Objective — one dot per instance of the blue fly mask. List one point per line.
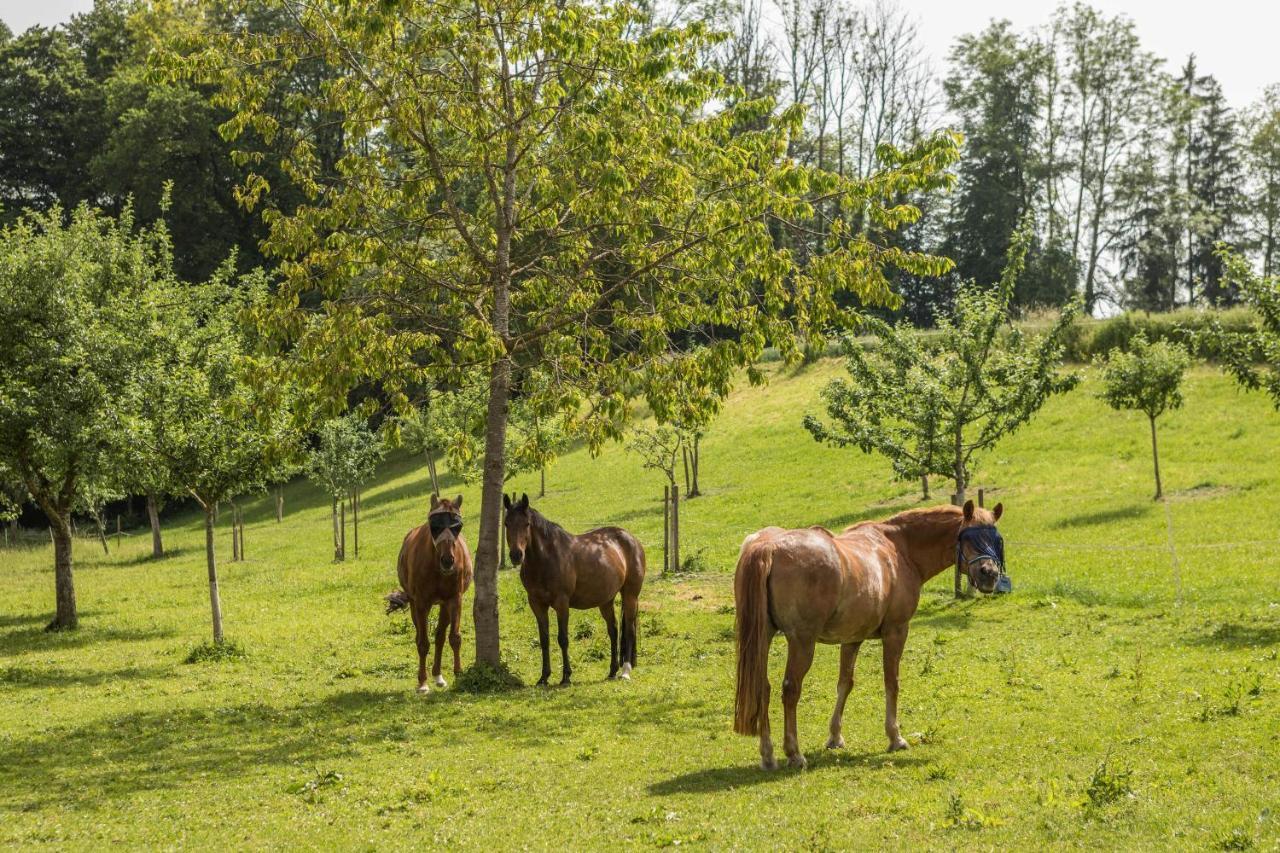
(442, 521)
(985, 543)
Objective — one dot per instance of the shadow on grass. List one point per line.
(30, 677)
(715, 779)
(37, 639)
(1237, 635)
(147, 557)
(1106, 516)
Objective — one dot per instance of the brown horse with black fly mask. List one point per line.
(560, 570)
(817, 587)
(435, 567)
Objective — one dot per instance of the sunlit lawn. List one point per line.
(1088, 708)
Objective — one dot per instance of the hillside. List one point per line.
(1016, 708)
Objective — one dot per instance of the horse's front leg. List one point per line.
(799, 659)
(611, 623)
(544, 640)
(562, 636)
(419, 614)
(895, 639)
(848, 658)
(442, 627)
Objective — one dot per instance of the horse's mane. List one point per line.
(547, 528)
(927, 515)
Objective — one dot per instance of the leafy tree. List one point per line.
(1252, 357)
(659, 449)
(553, 195)
(73, 295)
(1262, 158)
(345, 458)
(1146, 377)
(221, 434)
(929, 405)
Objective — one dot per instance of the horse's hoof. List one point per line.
(611, 676)
(440, 682)
(797, 761)
(424, 689)
(836, 742)
(542, 682)
(897, 745)
(564, 682)
(768, 764)
(626, 673)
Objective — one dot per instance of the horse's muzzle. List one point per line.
(516, 557)
(985, 577)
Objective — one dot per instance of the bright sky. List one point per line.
(1234, 39)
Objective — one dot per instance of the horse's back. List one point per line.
(605, 561)
(822, 586)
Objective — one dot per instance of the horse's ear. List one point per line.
(457, 502)
(997, 511)
(435, 501)
(506, 501)
(524, 501)
(968, 510)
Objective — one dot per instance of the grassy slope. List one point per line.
(317, 740)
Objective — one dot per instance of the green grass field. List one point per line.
(1089, 708)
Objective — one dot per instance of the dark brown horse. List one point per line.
(560, 571)
(816, 587)
(434, 567)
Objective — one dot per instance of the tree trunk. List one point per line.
(240, 530)
(355, 521)
(65, 616)
(957, 464)
(485, 607)
(337, 544)
(235, 533)
(279, 504)
(542, 483)
(1155, 459)
(675, 528)
(102, 531)
(153, 514)
(215, 603)
(666, 529)
(688, 482)
(431, 469)
(342, 530)
(697, 457)
(924, 486)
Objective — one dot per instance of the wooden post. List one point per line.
(342, 529)
(980, 496)
(119, 530)
(240, 525)
(666, 529)
(279, 504)
(955, 501)
(675, 528)
(502, 542)
(337, 552)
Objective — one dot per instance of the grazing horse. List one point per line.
(817, 587)
(560, 570)
(434, 567)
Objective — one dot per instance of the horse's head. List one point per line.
(517, 520)
(979, 548)
(445, 521)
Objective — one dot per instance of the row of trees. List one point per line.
(1134, 167)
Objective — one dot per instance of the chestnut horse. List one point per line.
(434, 567)
(560, 570)
(817, 587)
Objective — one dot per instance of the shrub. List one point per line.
(485, 678)
(211, 651)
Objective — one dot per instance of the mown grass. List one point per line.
(1090, 708)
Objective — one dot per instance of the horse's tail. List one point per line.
(396, 600)
(751, 600)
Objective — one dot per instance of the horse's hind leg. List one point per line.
(848, 657)
(544, 641)
(419, 614)
(455, 634)
(630, 614)
(799, 659)
(611, 623)
(442, 627)
(895, 639)
(562, 636)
